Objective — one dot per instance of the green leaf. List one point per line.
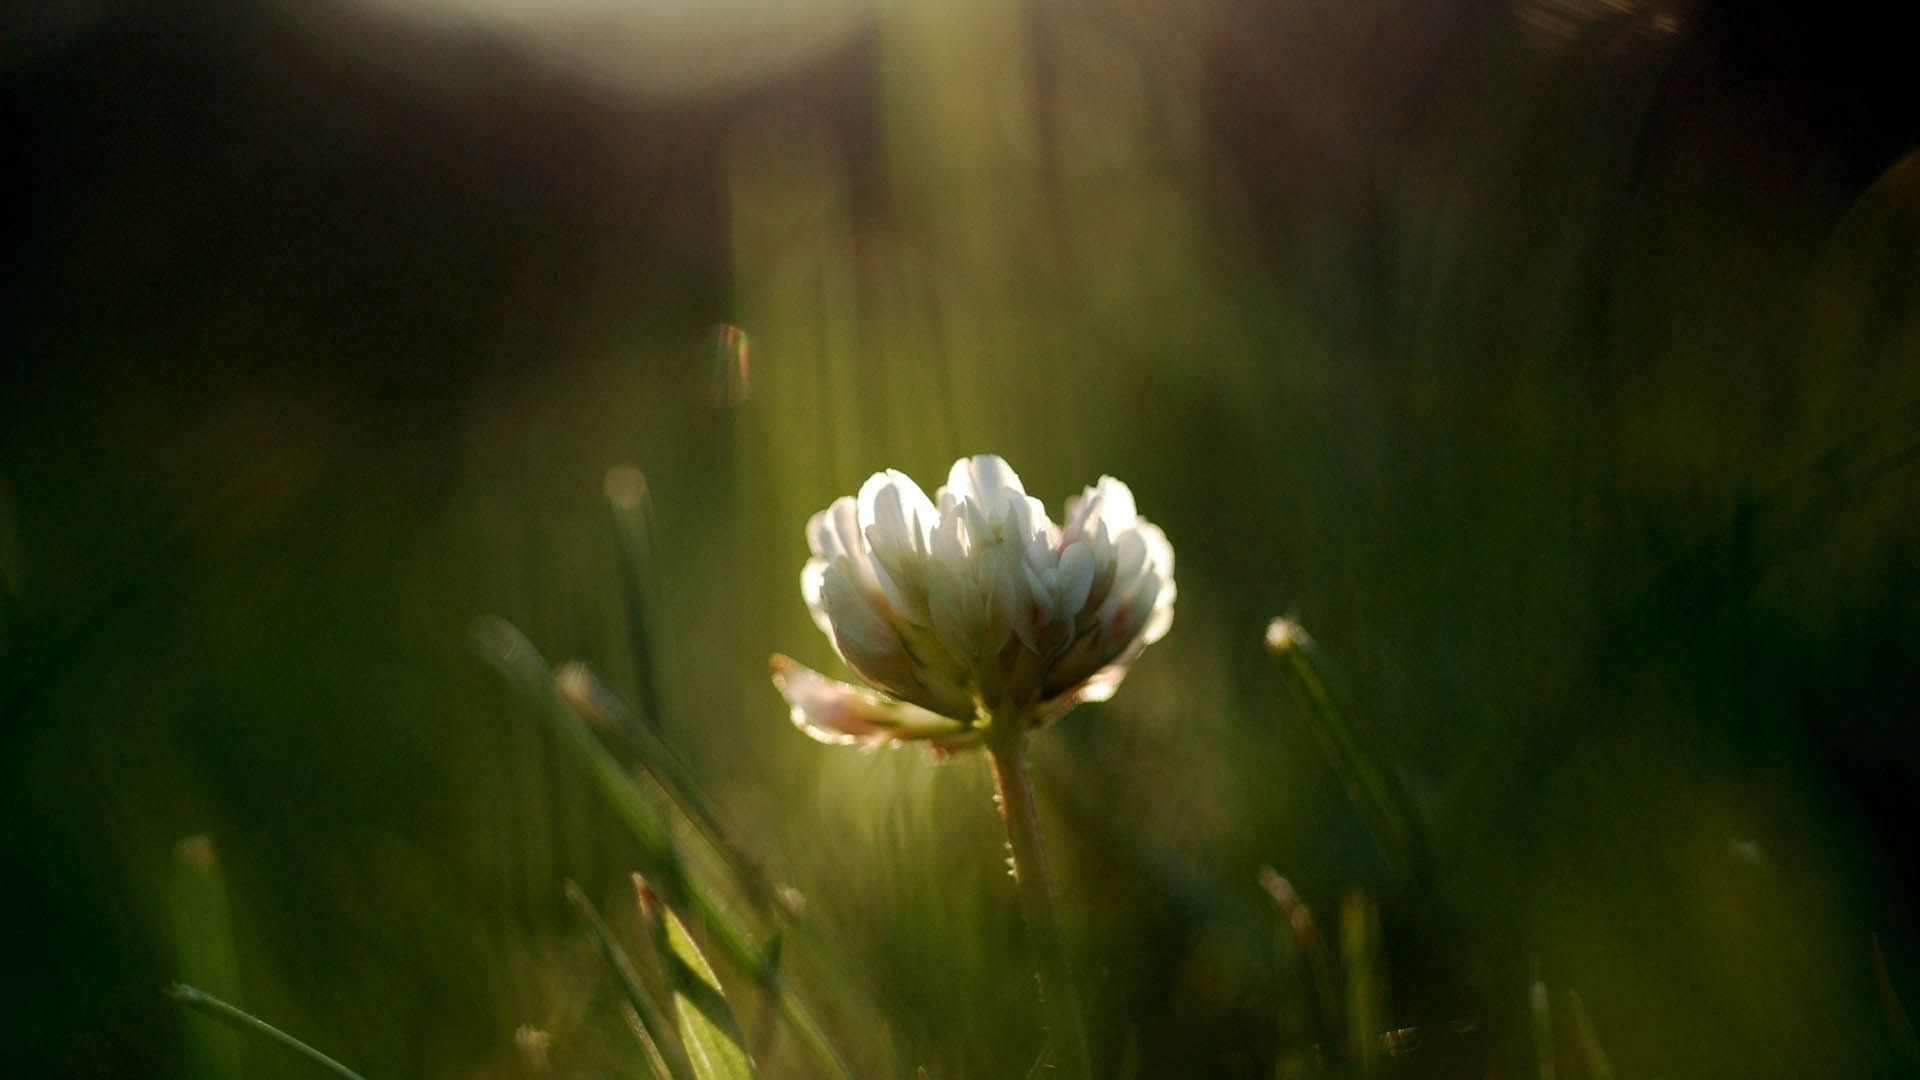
(706, 1021)
(202, 931)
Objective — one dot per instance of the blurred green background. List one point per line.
(1556, 363)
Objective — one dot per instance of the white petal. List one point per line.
(843, 523)
(947, 604)
(1160, 559)
(894, 502)
(845, 715)
(1075, 581)
(902, 593)
(1107, 502)
(948, 544)
(984, 478)
(1031, 611)
(1116, 505)
(820, 536)
(1159, 552)
(1133, 612)
(1129, 558)
(866, 642)
(896, 516)
(1161, 620)
(1043, 536)
(812, 579)
(1128, 610)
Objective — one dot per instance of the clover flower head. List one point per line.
(972, 608)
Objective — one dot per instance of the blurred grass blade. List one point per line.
(1899, 1025)
(631, 506)
(660, 1042)
(596, 702)
(1540, 1009)
(1368, 785)
(242, 1021)
(707, 1024)
(516, 658)
(661, 763)
(202, 925)
(1366, 983)
(1592, 1053)
(1319, 1018)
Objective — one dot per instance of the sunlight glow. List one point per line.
(654, 48)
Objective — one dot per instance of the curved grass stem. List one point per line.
(241, 1020)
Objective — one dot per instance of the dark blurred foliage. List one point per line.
(1556, 363)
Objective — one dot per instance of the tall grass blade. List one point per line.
(596, 702)
(707, 1024)
(1540, 1010)
(630, 504)
(659, 1039)
(202, 926)
(515, 657)
(241, 1020)
(1366, 982)
(1592, 1054)
(1899, 1024)
(1318, 1017)
(1373, 792)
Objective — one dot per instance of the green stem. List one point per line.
(247, 1022)
(1057, 997)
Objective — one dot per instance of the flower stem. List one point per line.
(1057, 997)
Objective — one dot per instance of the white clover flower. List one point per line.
(973, 609)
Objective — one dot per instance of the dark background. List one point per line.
(1556, 364)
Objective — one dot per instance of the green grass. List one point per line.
(1555, 381)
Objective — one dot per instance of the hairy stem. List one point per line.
(1057, 996)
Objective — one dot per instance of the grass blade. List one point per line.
(1592, 1054)
(597, 703)
(660, 1042)
(510, 652)
(515, 657)
(1899, 1025)
(1369, 786)
(631, 506)
(1540, 1009)
(202, 927)
(243, 1021)
(1318, 1018)
(706, 1020)
(1366, 983)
